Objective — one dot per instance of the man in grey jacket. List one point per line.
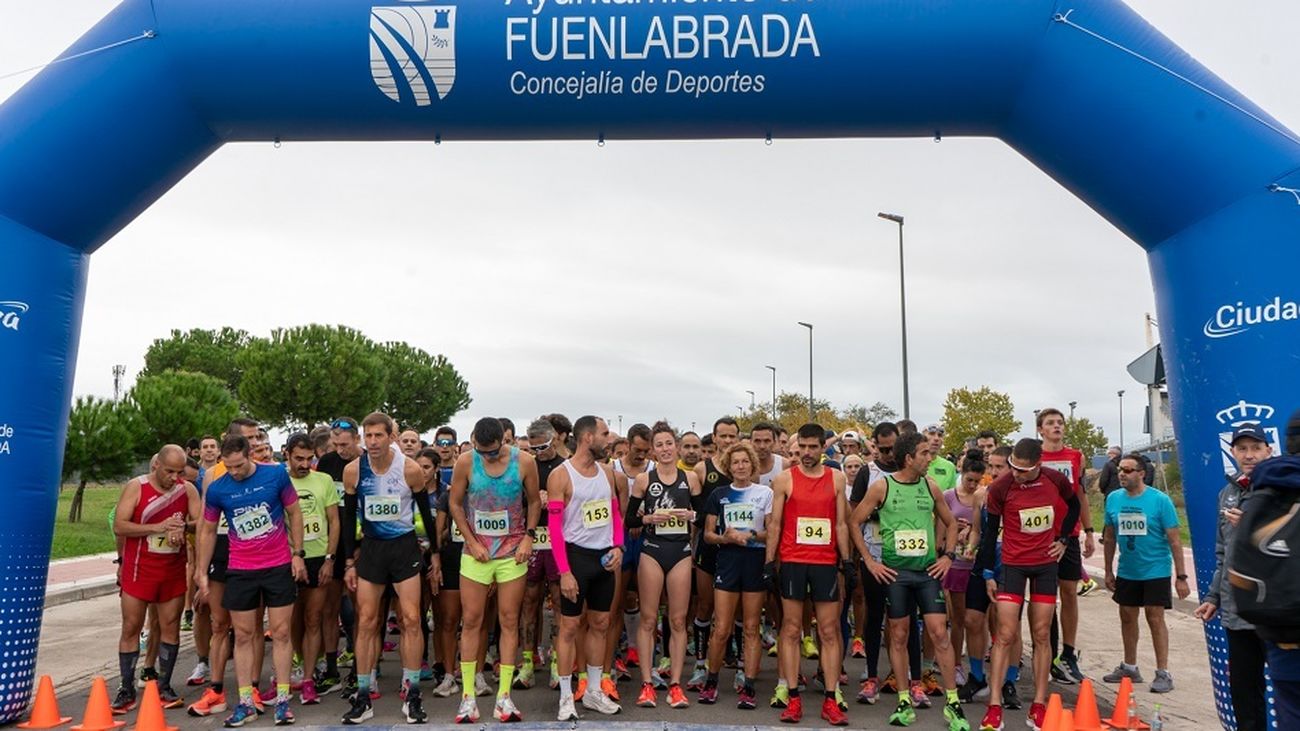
(1246, 651)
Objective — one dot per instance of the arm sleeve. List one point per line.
(348, 534)
(633, 518)
(617, 520)
(988, 542)
(555, 523)
(426, 515)
(1072, 508)
(700, 504)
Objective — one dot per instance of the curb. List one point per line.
(76, 591)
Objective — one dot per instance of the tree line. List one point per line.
(195, 382)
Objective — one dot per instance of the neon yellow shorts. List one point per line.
(498, 570)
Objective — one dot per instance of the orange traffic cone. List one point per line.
(99, 714)
(1119, 719)
(150, 717)
(1086, 717)
(45, 711)
(1052, 719)
(1067, 721)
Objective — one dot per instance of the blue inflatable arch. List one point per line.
(1179, 161)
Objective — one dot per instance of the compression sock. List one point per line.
(977, 668)
(410, 678)
(167, 653)
(507, 673)
(332, 664)
(126, 665)
(467, 678)
(281, 693)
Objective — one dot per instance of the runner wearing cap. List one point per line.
(1037, 509)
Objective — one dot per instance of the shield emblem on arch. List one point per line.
(413, 52)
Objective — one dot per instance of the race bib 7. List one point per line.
(813, 531)
(158, 543)
(596, 513)
(1037, 520)
(382, 508)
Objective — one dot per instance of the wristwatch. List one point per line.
(1089, 530)
(1181, 577)
(532, 533)
(329, 557)
(300, 553)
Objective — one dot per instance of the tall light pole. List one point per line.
(1121, 420)
(775, 415)
(902, 298)
(119, 371)
(812, 414)
(751, 399)
(1072, 405)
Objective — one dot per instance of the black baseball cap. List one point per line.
(1249, 430)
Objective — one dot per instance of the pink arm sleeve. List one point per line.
(555, 523)
(617, 519)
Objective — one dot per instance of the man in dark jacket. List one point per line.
(1246, 651)
(1108, 480)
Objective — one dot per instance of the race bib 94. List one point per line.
(813, 531)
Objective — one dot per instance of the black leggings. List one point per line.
(872, 632)
(1246, 658)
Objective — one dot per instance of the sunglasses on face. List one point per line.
(540, 447)
(885, 450)
(488, 453)
(342, 424)
(1018, 468)
(446, 442)
(1129, 470)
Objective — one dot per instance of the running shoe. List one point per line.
(609, 688)
(772, 650)
(199, 675)
(582, 688)
(171, 700)
(904, 714)
(1163, 683)
(209, 703)
(633, 658)
(1011, 697)
(257, 704)
(809, 648)
(124, 701)
(426, 672)
(969, 692)
(146, 675)
(1087, 586)
(858, 648)
(187, 621)
(413, 706)
(346, 659)
(326, 684)
(698, 677)
(242, 715)
(1061, 673)
(739, 681)
(360, 712)
(1120, 672)
(506, 712)
(930, 681)
(890, 685)
(746, 701)
(349, 687)
(1037, 714)
(620, 670)
(525, 678)
(832, 714)
(1071, 666)
(992, 719)
(567, 711)
(648, 698)
(308, 695)
(952, 713)
(267, 696)
(390, 646)
(554, 672)
(839, 700)
(600, 703)
(780, 697)
(961, 675)
(296, 676)
(658, 680)
(283, 716)
(481, 687)
(793, 712)
(870, 692)
(677, 696)
(468, 711)
(917, 692)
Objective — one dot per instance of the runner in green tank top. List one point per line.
(912, 567)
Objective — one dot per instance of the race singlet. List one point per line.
(158, 543)
(911, 543)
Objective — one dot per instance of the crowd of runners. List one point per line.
(569, 556)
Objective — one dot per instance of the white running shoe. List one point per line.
(468, 711)
(481, 687)
(599, 702)
(200, 674)
(447, 687)
(506, 712)
(567, 711)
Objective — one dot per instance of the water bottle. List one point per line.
(608, 559)
(1157, 721)
(1133, 721)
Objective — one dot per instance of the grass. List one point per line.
(93, 534)
(1097, 504)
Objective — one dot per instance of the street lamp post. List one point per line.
(1121, 420)
(812, 414)
(902, 297)
(1072, 405)
(775, 415)
(751, 400)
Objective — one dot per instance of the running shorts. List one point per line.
(818, 582)
(1143, 593)
(666, 553)
(1071, 564)
(977, 592)
(313, 572)
(541, 567)
(220, 559)
(912, 590)
(956, 580)
(595, 584)
(1041, 581)
(249, 590)
(390, 561)
(706, 557)
(451, 569)
(632, 552)
(739, 569)
(495, 571)
(153, 587)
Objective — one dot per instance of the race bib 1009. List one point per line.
(492, 523)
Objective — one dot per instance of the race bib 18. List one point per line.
(313, 528)
(813, 531)
(595, 513)
(382, 508)
(1037, 520)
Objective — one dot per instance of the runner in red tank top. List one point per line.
(809, 507)
(153, 515)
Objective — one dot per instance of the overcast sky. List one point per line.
(757, 237)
